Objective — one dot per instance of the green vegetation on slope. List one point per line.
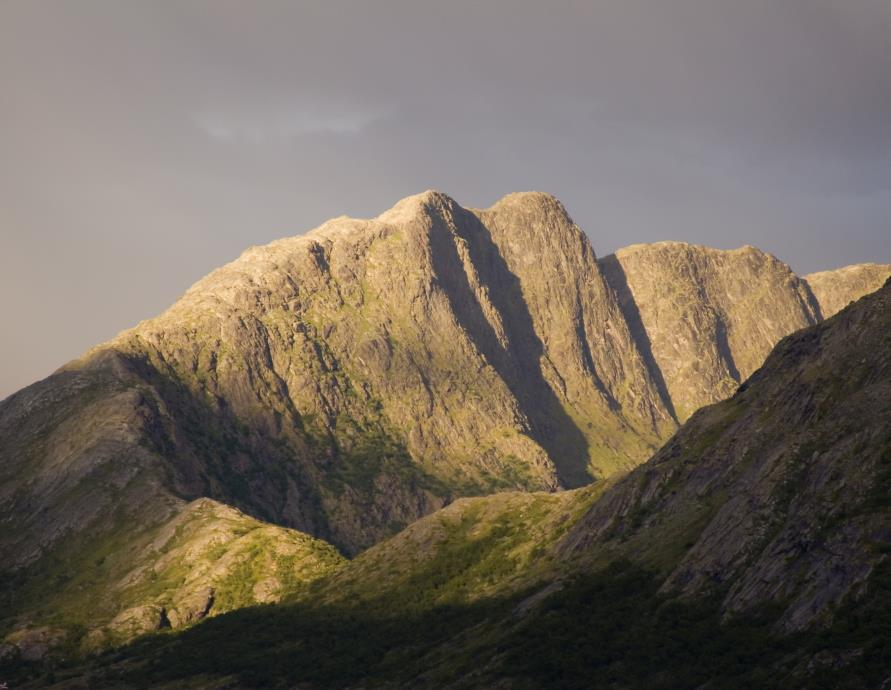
(607, 629)
(207, 560)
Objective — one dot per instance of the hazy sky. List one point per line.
(144, 143)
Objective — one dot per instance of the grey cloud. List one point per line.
(144, 143)
(277, 124)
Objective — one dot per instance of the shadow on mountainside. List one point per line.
(608, 629)
(281, 469)
(724, 350)
(519, 364)
(616, 279)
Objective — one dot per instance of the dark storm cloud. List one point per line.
(144, 143)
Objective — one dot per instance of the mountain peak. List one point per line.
(416, 204)
(689, 247)
(530, 197)
(530, 203)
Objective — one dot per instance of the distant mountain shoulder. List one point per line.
(836, 289)
(707, 317)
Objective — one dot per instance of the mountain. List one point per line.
(750, 551)
(836, 289)
(705, 319)
(347, 382)
(344, 383)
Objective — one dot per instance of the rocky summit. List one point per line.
(335, 387)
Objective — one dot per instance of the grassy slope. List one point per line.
(609, 628)
(135, 580)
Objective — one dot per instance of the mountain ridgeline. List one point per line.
(349, 381)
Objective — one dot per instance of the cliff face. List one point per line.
(706, 318)
(836, 289)
(483, 341)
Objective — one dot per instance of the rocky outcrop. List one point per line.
(836, 289)
(706, 318)
(206, 560)
(34, 644)
(131, 623)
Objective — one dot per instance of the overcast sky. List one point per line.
(144, 143)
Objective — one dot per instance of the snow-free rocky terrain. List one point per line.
(321, 393)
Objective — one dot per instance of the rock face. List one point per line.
(346, 382)
(778, 495)
(434, 326)
(706, 318)
(836, 289)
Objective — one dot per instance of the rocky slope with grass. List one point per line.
(347, 382)
(206, 559)
(778, 495)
